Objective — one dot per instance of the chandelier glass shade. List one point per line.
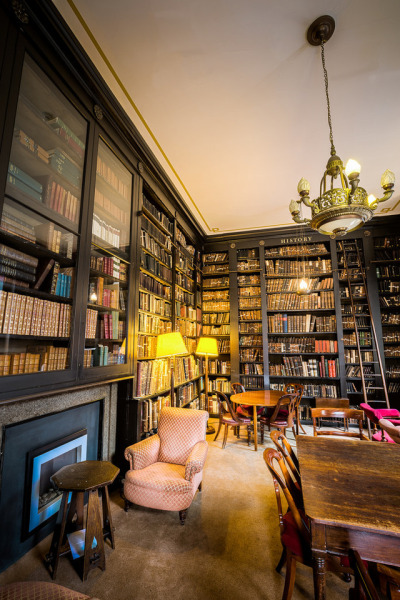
(342, 205)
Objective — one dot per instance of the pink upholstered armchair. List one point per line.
(166, 469)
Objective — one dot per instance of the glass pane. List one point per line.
(108, 284)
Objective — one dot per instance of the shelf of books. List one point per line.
(302, 332)
(107, 302)
(251, 359)
(39, 229)
(387, 267)
(216, 321)
(185, 291)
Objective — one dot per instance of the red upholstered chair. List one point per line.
(166, 469)
(374, 414)
(294, 527)
(228, 417)
(391, 432)
(283, 416)
(39, 590)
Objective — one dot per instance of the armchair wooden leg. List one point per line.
(225, 437)
(219, 429)
(281, 562)
(200, 486)
(182, 516)
(127, 505)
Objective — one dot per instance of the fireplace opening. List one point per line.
(44, 499)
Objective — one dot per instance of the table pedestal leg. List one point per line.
(255, 427)
(319, 577)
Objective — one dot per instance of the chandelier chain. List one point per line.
(333, 151)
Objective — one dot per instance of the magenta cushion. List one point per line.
(384, 413)
(377, 437)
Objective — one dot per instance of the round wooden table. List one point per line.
(257, 398)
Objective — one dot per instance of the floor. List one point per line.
(228, 548)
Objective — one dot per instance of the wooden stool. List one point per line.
(88, 476)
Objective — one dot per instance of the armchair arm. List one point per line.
(143, 453)
(196, 460)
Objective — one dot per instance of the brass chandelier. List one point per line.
(337, 210)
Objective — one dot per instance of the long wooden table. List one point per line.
(257, 398)
(351, 493)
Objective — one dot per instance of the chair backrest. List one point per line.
(369, 412)
(271, 457)
(237, 388)
(290, 402)
(284, 447)
(332, 403)
(338, 413)
(391, 429)
(179, 430)
(225, 406)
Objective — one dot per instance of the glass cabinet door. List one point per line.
(105, 335)
(39, 228)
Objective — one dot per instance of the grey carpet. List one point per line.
(227, 550)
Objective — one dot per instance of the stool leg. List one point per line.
(93, 557)
(107, 521)
(58, 537)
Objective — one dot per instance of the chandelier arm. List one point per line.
(306, 200)
(386, 196)
(298, 219)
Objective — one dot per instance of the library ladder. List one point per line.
(351, 259)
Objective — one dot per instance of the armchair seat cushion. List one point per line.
(160, 475)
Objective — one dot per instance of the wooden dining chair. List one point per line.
(283, 415)
(333, 403)
(228, 417)
(284, 447)
(338, 413)
(364, 588)
(294, 527)
(389, 581)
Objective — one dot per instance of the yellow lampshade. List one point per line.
(207, 346)
(170, 344)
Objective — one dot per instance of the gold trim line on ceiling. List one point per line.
(131, 102)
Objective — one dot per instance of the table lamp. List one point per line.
(170, 345)
(207, 346)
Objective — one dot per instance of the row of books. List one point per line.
(64, 165)
(35, 359)
(218, 282)
(58, 198)
(393, 387)
(248, 291)
(364, 338)
(215, 269)
(215, 318)
(110, 327)
(386, 242)
(215, 295)
(184, 281)
(163, 239)
(151, 245)
(250, 327)
(298, 250)
(187, 393)
(30, 144)
(250, 340)
(392, 350)
(219, 384)
(187, 312)
(109, 265)
(191, 344)
(102, 355)
(187, 328)
(355, 371)
(26, 315)
(297, 344)
(11, 222)
(351, 356)
(390, 319)
(392, 254)
(292, 285)
(158, 214)
(221, 305)
(359, 309)
(214, 330)
(152, 265)
(152, 285)
(184, 297)
(181, 238)
(391, 336)
(249, 280)
(385, 301)
(358, 291)
(249, 265)
(105, 170)
(224, 346)
(154, 305)
(212, 257)
(250, 315)
(185, 264)
(252, 383)
(284, 323)
(293, 366)
(104, 294)
(106, 232)
(245, 303)
(153, 324)
(153, 376)
(306, 267)
(322, 390)
(251, 355)
(217, 366)
(244, 253)
(389, 286)
(314, 301)
(388, 271)
(70, 138)
(18, 178)
(252, 369)
(146, 346)
(111, 208)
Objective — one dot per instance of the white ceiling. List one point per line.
(230, 97)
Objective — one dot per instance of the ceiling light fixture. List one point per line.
(337, 210)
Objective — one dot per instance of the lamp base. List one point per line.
(210, 429)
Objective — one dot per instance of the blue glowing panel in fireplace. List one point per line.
(45, 501)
